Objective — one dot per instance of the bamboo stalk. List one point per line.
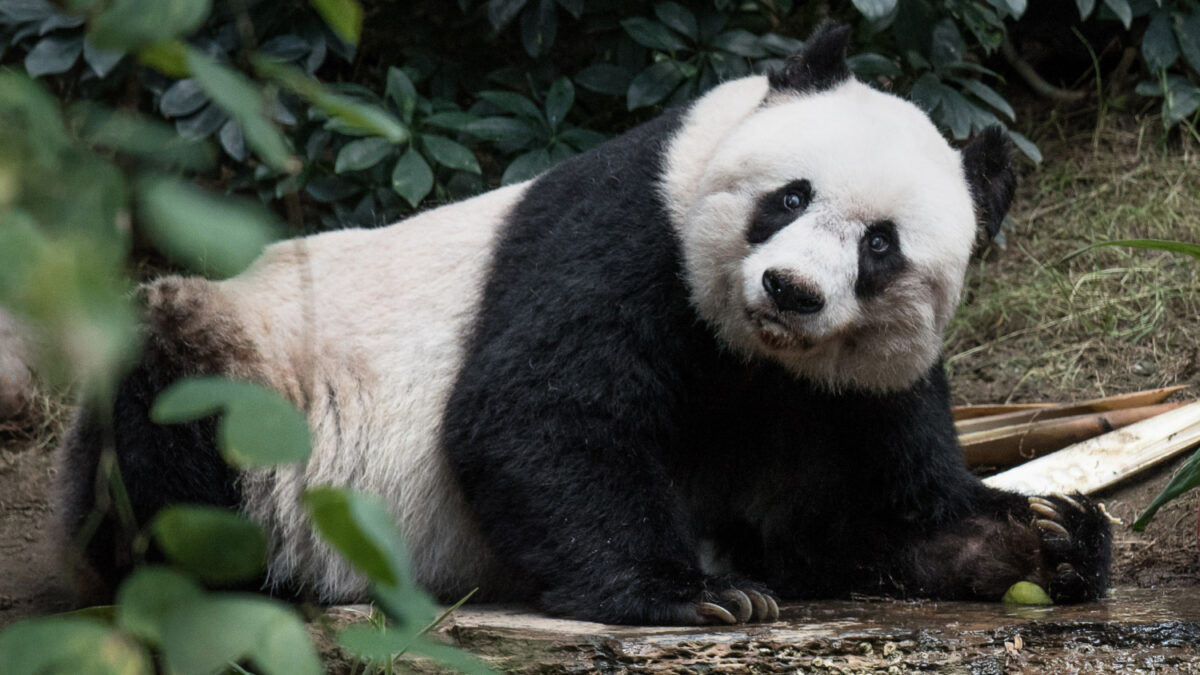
(1100, 462)
(970, 412)
(1008, 446)
(1132, 400)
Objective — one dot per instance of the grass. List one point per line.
(1035, 327)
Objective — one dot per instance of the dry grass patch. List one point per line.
(1034, 326)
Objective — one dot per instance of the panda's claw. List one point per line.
(744, 606)
(759, 603)
(1041, 501)
(1052, 527)
(772, 608)
(1070, 500)
(1042, 509)
(715, 611)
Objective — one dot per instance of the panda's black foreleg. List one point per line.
(595, 530)
(1061, 543)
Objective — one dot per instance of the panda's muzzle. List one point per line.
(791, 295)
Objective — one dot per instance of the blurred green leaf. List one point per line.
(452, 120)
(149, 594)
(1086, 7)
(60, 644)
(1026, 146)
(343, 16)
(168, 58)
(212, 234)
(215, 544)
(361, 529)
(366, 118)
(362, 154)
(449, 153)
(740, 42)
(259, 427)
(501, 12)
(1187, 31)
(138, 136)
(539, 27)
(412, 178)
(202, 637)
(130, 25)
(239, 97)
(1181, 100)
(101, 61)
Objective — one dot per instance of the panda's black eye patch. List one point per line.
(879, 259)
(778, 208)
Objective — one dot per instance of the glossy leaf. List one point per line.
(1187, 31)
(653, 34)
(1086, 7)
(202, 637)
(362, 154)
(53, 55)
(211, 234)
(1122, 9)
(678, 18)
(451, 120)
(604, 78)
(502, 129)
(559, 100)
(1026, 146)
(344, 17)
(215, 544)
(740, 42)
(526, 166)
(539, 27)
(449, 153)
(399, 87)
(653, 84)
(101, 61)
(512, 102)
(1159, 47)
(500, 12)
(184, 97)
(875, 9)
(412, 178)
(988, 96)
(1182, 99)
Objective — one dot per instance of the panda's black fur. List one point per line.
(603, 434)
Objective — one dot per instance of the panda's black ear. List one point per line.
(987, 161)
(819, 65)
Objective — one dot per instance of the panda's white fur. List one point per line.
(372, 349)
(364, 330)
(870, 156)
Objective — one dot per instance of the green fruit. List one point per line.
(1026, 593)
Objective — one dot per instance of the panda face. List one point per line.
(827, 231)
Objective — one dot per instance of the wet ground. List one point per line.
(1133, 631)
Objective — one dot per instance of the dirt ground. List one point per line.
(1032, 328)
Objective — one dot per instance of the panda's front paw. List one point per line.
(738, 605)
(1075, 545)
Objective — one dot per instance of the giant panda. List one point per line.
(673, 380)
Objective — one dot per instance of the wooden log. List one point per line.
(1102, 461)
(1119, 402)
(1008, 446)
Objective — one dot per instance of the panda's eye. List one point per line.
(792, 201)
(878, 243)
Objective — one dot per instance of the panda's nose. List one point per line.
(789, 295)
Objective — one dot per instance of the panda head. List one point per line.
(827, 225)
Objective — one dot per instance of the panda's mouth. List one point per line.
(776, 333)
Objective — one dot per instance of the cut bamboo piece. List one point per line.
(1132, 400)
(1102, 461)
(1008, 446)
(970, 412)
